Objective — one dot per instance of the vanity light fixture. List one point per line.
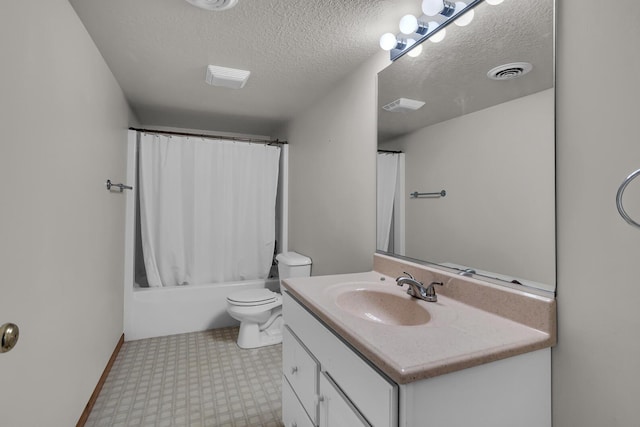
(409, 24)
(466, 18)
(439, 36)
(416, 51)
(438, 7)
(415, 30)
(389, 41)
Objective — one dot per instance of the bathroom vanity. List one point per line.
(358, 351)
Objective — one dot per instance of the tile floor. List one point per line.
(199, 379)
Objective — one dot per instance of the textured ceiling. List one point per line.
(451, 76)
(296, 50)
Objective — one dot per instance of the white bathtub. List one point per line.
(156, 312)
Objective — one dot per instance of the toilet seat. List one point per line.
(252, 297)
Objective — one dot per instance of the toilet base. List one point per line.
(250, 335)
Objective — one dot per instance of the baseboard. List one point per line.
(94, 396)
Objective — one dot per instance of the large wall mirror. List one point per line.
(488, 143)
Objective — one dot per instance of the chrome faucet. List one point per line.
(417, 290)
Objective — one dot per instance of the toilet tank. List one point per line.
(293, 264)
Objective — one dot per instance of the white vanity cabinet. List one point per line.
(512, 392)
(331, 385)
(335, 408)
(293, 413)
(300, 369)
(346, 390)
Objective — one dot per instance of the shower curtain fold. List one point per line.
(207, 209)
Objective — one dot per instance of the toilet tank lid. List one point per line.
(293, 259)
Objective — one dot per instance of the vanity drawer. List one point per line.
(372, 394)
(301, 370)
(293, 414)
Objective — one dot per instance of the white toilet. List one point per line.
(260, 310)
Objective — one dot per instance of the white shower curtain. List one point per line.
(386, 184)
(207, 209)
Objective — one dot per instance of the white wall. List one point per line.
(332, 209)
(63, 125)
(596, 365)
(497, 166)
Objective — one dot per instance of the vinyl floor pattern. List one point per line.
(199, 379)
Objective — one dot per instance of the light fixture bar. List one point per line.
(445, 17)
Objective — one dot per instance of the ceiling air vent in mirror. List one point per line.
(509, 71)
(214, 4)
(403, 105)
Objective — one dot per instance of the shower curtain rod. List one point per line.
(198, 135)
(390, 151)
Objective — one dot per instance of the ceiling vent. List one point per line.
(509, 71)
(227, 77)
(214, 4)
(403, 105)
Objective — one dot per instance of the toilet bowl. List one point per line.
(260, 310)
(260, 314)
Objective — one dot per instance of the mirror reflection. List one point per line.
(484, 135)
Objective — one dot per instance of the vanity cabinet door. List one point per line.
(375, 396)
(301, 370)
(293, 414)
(335, 408)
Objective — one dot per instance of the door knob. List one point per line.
(9, 334)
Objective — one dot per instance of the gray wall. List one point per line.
(596, 365)
(497, 166)
(332, 209)
(63, 123)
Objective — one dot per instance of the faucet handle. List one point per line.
(430, 294)
(399, 280)
(407, 275)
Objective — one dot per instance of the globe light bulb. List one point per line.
(432, 7)
(431, 26)
(416, 51)
(494, 2)
(439, 36)
(465, 19)
(388, 41)
(408, 24)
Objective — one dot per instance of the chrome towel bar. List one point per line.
(416, 195)
(122, 187)
(624, 184)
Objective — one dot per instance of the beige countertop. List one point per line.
(456, 337)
